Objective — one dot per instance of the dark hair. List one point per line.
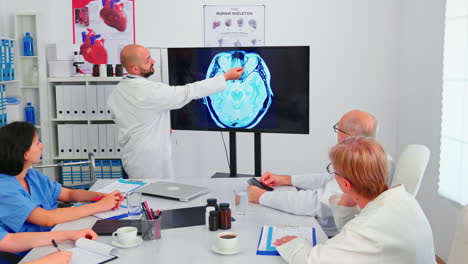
(15, 140)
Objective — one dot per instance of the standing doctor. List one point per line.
(141, 111)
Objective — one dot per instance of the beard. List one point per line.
(148, 73)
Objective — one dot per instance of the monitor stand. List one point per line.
(233, 158)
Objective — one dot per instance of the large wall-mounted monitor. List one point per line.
(272, 95)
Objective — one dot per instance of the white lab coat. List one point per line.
(312, 200)
(390, 229)
(141, 110)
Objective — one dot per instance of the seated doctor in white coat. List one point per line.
(391, 226)
(141, 110)
(315, 189)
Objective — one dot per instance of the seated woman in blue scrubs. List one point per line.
(25, 241)
(28, 198)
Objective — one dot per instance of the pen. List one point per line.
(55, 244)
(148, 210)
(97, 199)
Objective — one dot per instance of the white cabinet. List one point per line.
(80, 120)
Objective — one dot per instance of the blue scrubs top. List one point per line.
(16, 204)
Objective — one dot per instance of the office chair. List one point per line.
(410, 167)
(92, 170)
(459, 251)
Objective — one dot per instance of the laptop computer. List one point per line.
(172, 190)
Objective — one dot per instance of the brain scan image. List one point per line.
(244, 102)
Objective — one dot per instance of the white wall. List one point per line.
(419, 117)
(378, 56)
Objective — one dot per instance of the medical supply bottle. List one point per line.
(211, 205)
(96, 70)
(212, 202)
(28, 49)
(102, 70)
(224, 216)
(213, 221)
(30, 114)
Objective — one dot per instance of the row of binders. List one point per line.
(74, 102)
(7, 62)
(75, 141)
(105, 169)
(3, 110)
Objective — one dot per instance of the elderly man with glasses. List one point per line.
(315, 189)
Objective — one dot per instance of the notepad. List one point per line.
(92, 252)
(123, 186)
(270, 234)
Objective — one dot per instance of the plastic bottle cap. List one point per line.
(29, 103)
(211, 201)
(27, 33)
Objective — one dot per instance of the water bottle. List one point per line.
(28, 49)
(30, 114)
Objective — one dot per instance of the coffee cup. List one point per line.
(227, 242)
(125, 235)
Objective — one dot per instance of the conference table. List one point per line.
(193, 244)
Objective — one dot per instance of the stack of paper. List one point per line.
(270, 234)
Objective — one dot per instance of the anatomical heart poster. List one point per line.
(101, 28)
(234, 26)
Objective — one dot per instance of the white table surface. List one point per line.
(193, 244)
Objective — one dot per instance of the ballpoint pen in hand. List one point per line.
(55, 244)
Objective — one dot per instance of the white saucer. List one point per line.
(135, 243)
(230, 252)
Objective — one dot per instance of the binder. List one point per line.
(116, 169)
(59, 107)
(84, 141)
(76, 172)
(118, 148)
(110, 140)
(101, 101)
(98, 165)
(102, 139)
(64, 133)
(67, 174)
(106, 169)
(76, 104)
(108, 91)
(76, 139)
(83, 108)
(94, 140)
(92, 99)
(67, 101)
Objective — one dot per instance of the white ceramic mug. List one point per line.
(125, 235)
(227, 241)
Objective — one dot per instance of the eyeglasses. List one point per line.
(336, 129)
(330, 169)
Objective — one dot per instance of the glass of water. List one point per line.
(241, 200)
(134, 205)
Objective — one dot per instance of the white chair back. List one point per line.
(410, 167)
(459, 251)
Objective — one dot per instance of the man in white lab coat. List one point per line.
(391, 226)
(316, 188)
(141, 110)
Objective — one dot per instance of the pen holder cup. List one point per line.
(151, 229)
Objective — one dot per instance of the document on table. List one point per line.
(270, 234)
(123, 186)
(92, 252)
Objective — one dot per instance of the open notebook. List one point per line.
(92, 252)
